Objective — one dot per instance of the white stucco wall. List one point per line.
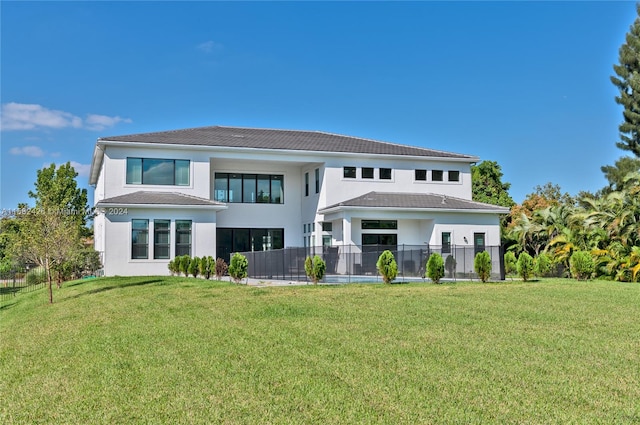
(117, 239)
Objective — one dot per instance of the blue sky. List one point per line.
(525, 84)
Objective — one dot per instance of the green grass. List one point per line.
(177, 350)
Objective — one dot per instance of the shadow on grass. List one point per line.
(110, 287)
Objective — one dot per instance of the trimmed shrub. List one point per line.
(525, 266)
(36, 276)
(206, 266)
(510, 263)
(184, 261)
(173, 267)
(482, 265)
(238, 267)
(435, 267)
(221, 268)
(315, 268)
(542, 264)
(582, 265)
(387, 266)
(194, 266)
(450, 265)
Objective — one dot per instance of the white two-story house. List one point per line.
(217, 190)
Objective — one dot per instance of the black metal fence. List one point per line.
(357, 263)
(13, 282)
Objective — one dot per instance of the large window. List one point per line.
(379, 224)
(161, 229)
(230, 240)
(183, 237)
(139, 239)
(379, 239)
(249, 188)
(158, 171)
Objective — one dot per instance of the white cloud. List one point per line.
(27, 150)
(209, 46)
(81, 169)
(100, 122)
(23, 116)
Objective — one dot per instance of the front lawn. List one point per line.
(181, 350)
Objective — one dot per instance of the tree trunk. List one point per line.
(48, 271)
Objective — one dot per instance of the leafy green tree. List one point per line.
(487, 185)
(525, 266)
(315, 268)
(387, 266)
(627, 80)
(435, 267)
(510, 263)
(238, 268)
(582, 265)
(482, 265)
(616, 173)
(57, 192)
(542, 264)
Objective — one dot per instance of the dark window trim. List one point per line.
(369, 172)
(157, 245)
(379, 224)
(272, 178)
(140, 230)
(317, 173)
(347, 171)
(422, 178)
(382, 174)
(180, 246)
(142, 182)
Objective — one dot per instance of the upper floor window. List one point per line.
(421, 175)
(327, 226)
(454, 176)
(367, 172)
(379, 224)
(306, 184)
(436, 175)
(249, 188)
(317, 180)
(385, 174)
(349, 172)
(158, 171)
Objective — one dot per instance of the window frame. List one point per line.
(385, 173)
(415, 175)
(136, 231)
(132, 169)
(455, 173)
(221, 194)
(367, 173)
(317, 173)
(179, 246)
(156, 235)
(347, 171)
(435, 173)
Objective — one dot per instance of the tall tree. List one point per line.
(627, 80)
(487, 184)
(50, 234)
(56, 190)
(616, 173)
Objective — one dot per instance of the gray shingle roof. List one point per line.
(159, 198)
(415, 200)
(295, 140)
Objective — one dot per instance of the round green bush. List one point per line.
(238, 267)
(582, 265)
(525, 266)
(482, 265)
(510, 263)
(315, 268)
(542, 264)
(435, 267)
(387, 266)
